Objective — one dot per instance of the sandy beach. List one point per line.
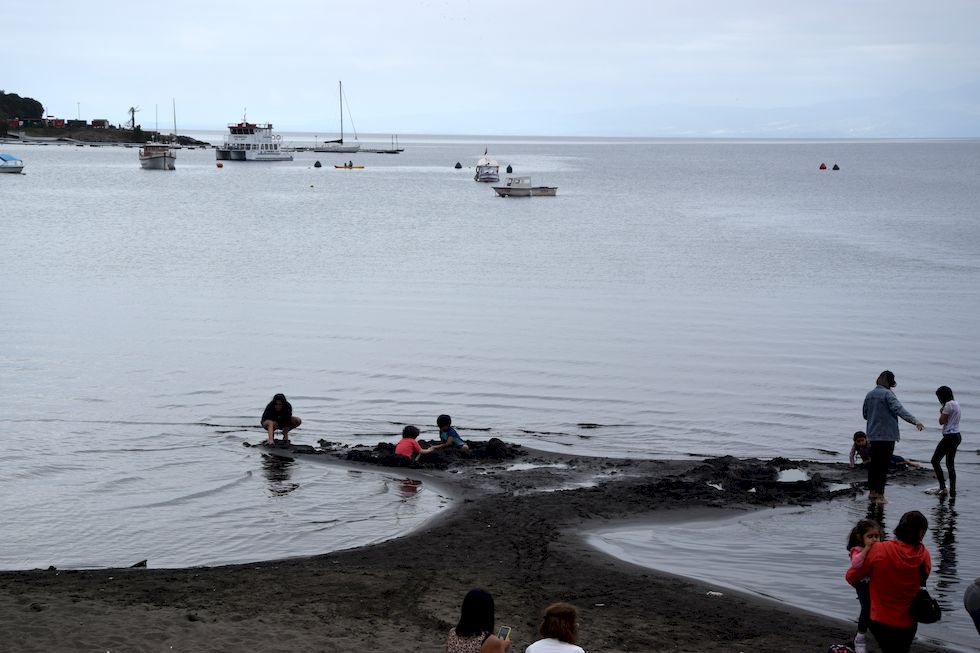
(504, 533)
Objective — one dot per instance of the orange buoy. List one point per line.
(823, 166)
(220, 164)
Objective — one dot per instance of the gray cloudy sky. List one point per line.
(619, 67)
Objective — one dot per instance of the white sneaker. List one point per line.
(859, 644)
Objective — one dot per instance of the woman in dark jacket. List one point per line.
(279, 415)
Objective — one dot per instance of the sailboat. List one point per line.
(338, 144)
(160, 156)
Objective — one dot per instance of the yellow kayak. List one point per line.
(349, 167)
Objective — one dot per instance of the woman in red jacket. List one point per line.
(893, 567)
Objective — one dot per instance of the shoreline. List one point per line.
(526, 546)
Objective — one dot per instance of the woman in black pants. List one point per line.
(949, 417)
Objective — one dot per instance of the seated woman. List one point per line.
(278, 414)
(559, 628)
(474, 632)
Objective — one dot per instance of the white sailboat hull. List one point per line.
(337, 148)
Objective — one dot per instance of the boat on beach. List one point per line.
(10, 163)
(522, 187)
(338, 146)
(247, 141)
(158, 156)
(487, 170)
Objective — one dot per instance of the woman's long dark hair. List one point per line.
(287, 408)
(476, 616)
(911, 527)
(886, 379)
(944, 394)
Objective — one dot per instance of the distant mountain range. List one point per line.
(914, 114)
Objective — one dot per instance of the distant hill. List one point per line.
(15, 106)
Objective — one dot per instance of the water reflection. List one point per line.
(278, 471)
(942, 525)
(943, 528)
(408, 487)
(876, 511)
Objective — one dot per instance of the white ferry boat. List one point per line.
(247, 141)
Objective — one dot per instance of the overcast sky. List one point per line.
(612, 67)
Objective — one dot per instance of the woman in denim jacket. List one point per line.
(882, 410)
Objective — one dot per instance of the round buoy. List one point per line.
(509, 170)
(836, 167)
(458, 165)
(220, 164)
(317, 165)
(823, 166)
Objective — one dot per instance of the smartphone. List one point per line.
(504, 632)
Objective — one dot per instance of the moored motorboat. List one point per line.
(247, 141)
(521, 187)
(158, 156)
(487, 170)
(10, 163)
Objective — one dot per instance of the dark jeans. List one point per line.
(881, 454)
(891, 639)
(864, 597)
(946, 448)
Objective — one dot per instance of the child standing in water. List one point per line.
(859, 543)
(949, 417)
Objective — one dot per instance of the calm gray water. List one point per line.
(691, 298)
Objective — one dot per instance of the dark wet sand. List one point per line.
(523, 545)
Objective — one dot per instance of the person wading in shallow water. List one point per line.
(279, 415)
(949, 417)
(882, 410)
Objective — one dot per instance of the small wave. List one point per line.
(176, 501)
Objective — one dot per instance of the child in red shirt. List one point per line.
(408, 446)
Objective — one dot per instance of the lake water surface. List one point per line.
(688, 298)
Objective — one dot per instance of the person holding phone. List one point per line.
(474, 632)
(559, 629)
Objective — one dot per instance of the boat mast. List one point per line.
(341, 97)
